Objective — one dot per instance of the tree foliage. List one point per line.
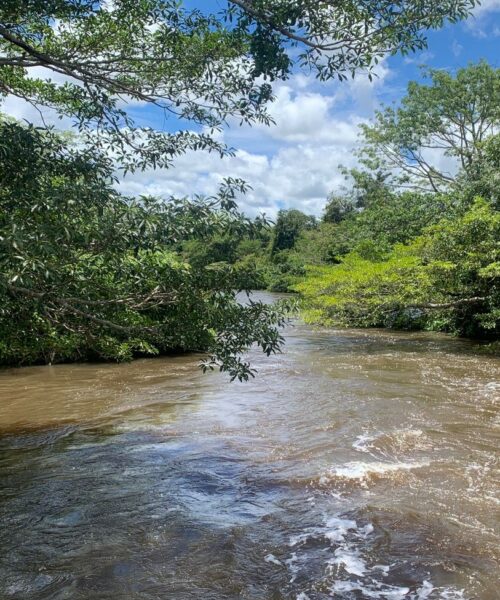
(483, 178)
(89, 59)
(337, 209)
(245, 251)
(288, 227)
(89, 273)
(388, 218)
(448, 278)
(452, 116)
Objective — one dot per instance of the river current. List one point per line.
(358, 464)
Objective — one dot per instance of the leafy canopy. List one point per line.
(289, 225)
(92, 59)
(448, 278)
(452, 116)
(88, 273)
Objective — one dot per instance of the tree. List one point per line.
(337, 209)
(289, 225)
(483, 178)
(383, 219)
(97, 57)
(367, 187)
(462, 257)
(452, 116)
(424, 258)
(89, 273)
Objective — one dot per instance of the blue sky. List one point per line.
(295, 163)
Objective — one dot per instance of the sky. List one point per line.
(295, 163)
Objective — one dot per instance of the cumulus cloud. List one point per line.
(293, 164)
(296, 176)
(299, 116)
(421, 59)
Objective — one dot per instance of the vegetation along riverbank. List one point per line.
(405, 244)
(88, 272)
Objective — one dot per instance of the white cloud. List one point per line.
(298, 115)
(480, 24)
(303, 117)
(486, 6)
(421, 59)
(296, 176)
(456, 49)
(293, 164)
(361, 94)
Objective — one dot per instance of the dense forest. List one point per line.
(88, 273)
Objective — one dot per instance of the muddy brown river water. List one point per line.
(358, 464)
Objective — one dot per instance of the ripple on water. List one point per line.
(364, 474)
(397, 443)
(358, 465)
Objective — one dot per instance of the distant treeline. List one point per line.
(408, 243)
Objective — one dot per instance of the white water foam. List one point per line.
(376, 589)
(350, 561)
(363, 443)
(362, 471)
(492, 386)
(291, 563)
(392, 443)
(347, 569)
(337, 528)
(425, 591)
(388, 592)
(270, 558)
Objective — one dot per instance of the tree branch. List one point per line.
(452, 304)
(66, 304)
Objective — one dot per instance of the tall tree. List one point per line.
(289, 225)
(337, 208)
(450, 117)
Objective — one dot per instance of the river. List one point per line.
(358, 464)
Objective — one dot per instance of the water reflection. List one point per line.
(41, 397)
(357, 465)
